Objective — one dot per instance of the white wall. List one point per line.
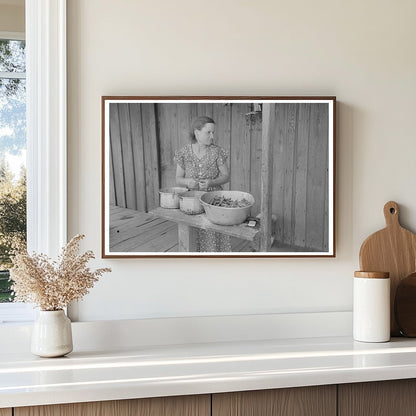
(361, 52)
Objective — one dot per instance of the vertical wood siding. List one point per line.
(116, 155)
(300, 175)
(144, 138)
(221, 113)
(134, 154)
(240, 148)
(138, 156)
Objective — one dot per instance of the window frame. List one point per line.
(12, 35)
(46, 120)
(46, 125)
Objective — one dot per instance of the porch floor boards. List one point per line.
(134, 231)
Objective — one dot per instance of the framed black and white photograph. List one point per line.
(218, 176)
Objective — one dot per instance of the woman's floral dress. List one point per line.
(206, 167)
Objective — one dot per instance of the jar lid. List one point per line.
(372, 275)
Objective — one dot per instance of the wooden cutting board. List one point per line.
(392, 250)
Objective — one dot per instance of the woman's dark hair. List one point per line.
(197, 124)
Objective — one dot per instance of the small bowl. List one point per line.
(169, 197)
(224, 215)
(189, 202)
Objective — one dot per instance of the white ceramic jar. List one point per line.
(371, 306)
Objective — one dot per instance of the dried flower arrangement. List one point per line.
(52, 285)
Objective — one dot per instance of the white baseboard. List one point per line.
(111, 335)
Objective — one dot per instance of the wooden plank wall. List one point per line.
(238, 134)
(134, 156)
(300, 173)
(144, 137)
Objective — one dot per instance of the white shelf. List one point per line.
(150, 371)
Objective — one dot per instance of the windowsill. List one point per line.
(187, 330)
(16, 313)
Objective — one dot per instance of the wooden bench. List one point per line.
(188, 224)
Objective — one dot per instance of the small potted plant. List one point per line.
(51, 286)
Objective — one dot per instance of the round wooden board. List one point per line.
(405, 306)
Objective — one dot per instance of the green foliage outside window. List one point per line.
(12, 224)
(12, 145)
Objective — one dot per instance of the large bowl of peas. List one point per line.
(227, 207)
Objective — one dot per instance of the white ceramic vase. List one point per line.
(52, 334)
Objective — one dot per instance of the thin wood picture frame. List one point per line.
(278, 152)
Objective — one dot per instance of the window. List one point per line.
(46, 135)
(12, 155)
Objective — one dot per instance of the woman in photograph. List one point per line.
(202, 165)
